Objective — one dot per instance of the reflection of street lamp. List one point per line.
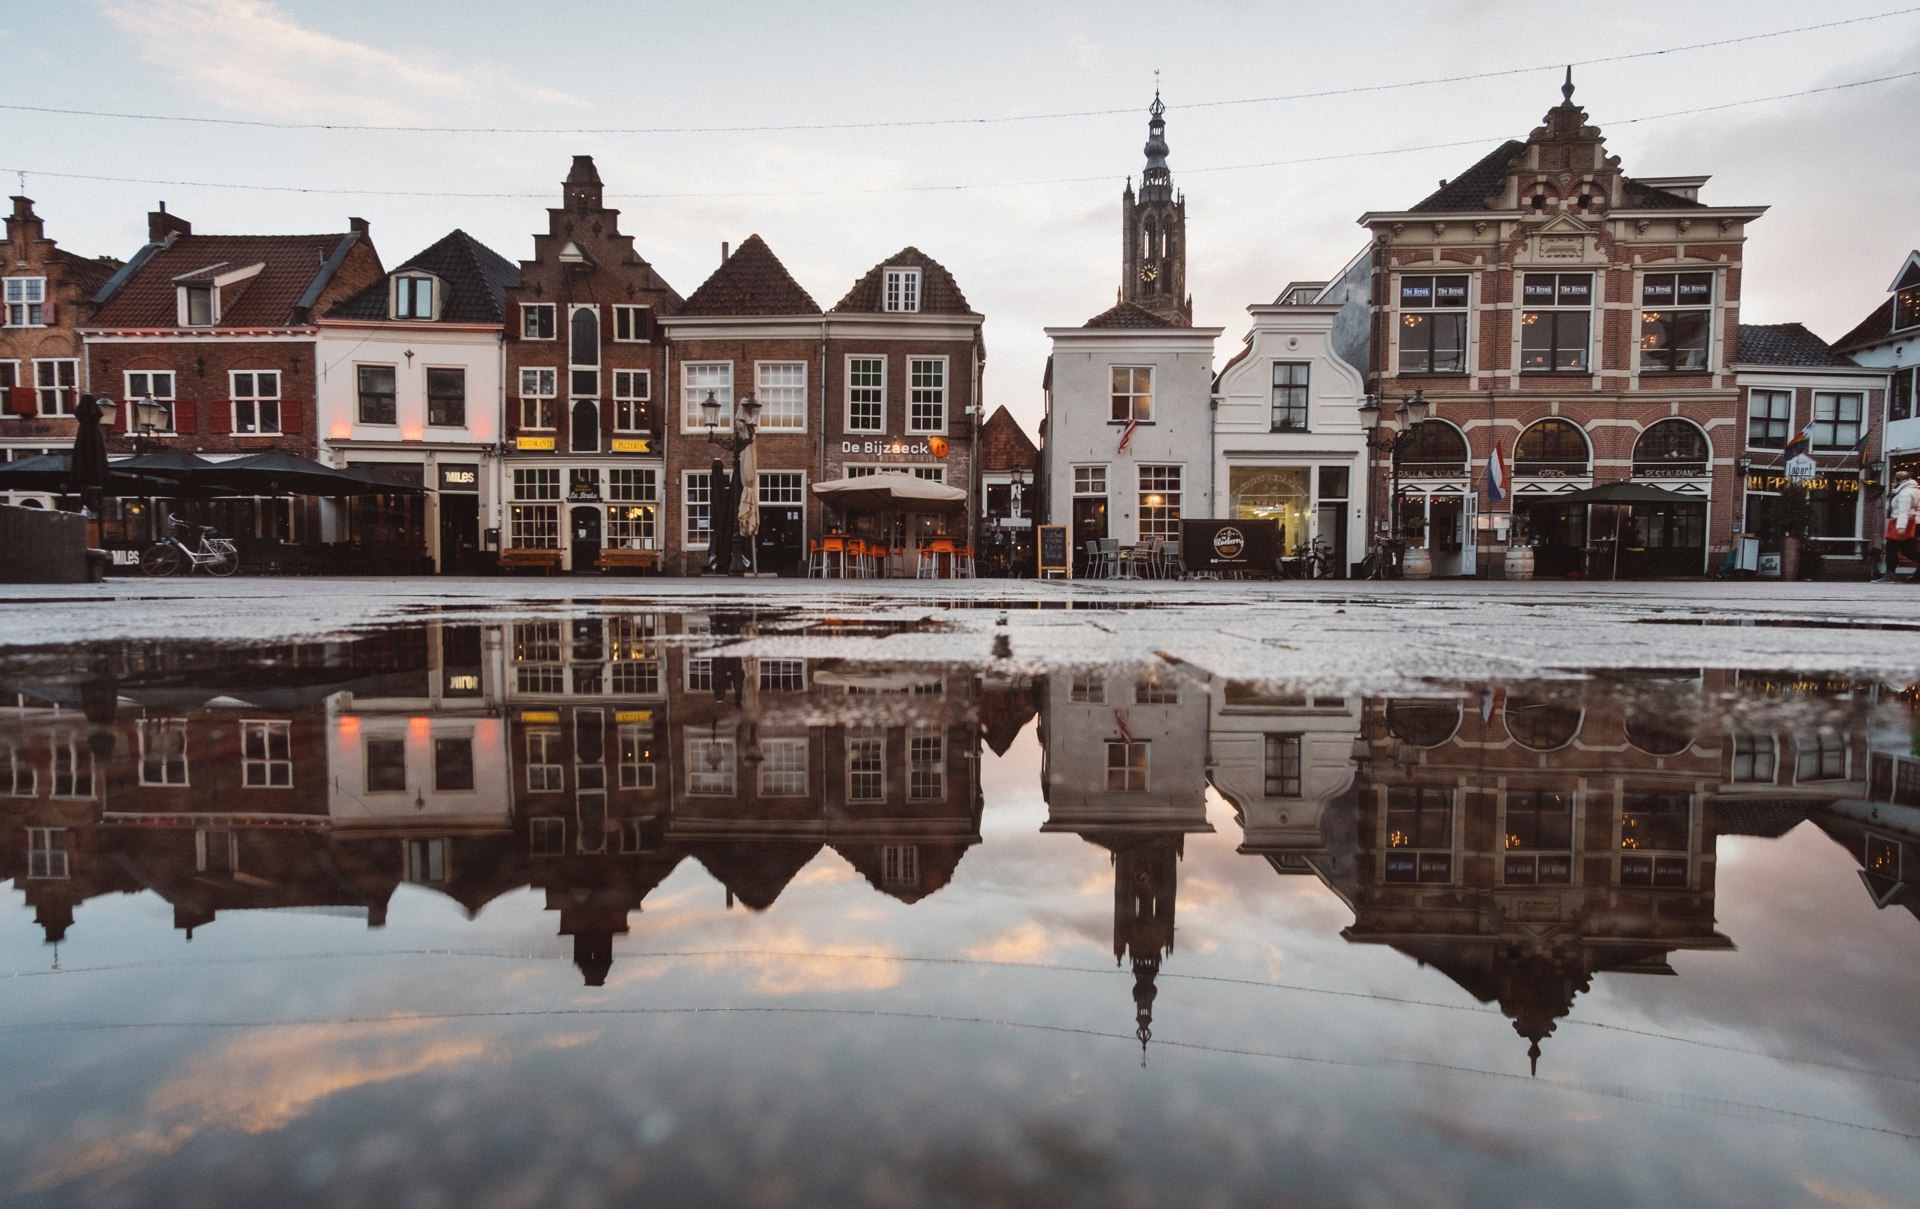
(1411, 413)
(726, 489)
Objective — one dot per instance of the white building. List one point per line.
(1288, 441)
(410, 384)
(1889, 339)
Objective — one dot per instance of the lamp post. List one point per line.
(1381, 439)
(725, 489)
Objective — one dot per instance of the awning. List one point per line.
(890, 491)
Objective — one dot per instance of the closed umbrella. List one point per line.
(747, 518)
(89, 453)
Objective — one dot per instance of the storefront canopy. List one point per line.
(889, 491)
(1622, 493)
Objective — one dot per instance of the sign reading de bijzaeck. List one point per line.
(898, 447)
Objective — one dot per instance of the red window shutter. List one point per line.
(21, 401)
(183, 417)
(220, 416)
(290, 415)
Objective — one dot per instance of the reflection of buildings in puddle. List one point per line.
(1125, 768)
(1881, 830)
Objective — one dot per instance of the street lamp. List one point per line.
(726, 488)
(1411, 413)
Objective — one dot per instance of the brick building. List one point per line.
(1007, 495)
(583, 466)
(48, 294)
(221, 331)
(1581, 320)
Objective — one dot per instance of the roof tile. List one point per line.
(939, 292)
(1785, 344)
(1129, 314)
(293, 264)
(752, 281)
(476, 279)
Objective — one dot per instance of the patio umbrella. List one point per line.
(89, 452)
(1624, 493)
(383, 481)
(54, 472)
(890, 491)
(288, 474)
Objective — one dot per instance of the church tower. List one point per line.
(1153, 233)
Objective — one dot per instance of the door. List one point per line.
(1470, 536)
(584, 531)
(1089, 525)
(1444, 514)
(459, 534)
(780, 546)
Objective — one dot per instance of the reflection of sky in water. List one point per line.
(975, 1047)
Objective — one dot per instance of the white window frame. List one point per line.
(712, 778)
(18, 777)
(9, 378)
(71, 770)
(690, 537)
(1175, 506)
(781, 488)
(867, 761)
(259, 772)
(1832, 399)
(716, 376)
(783, 766)
(632, 391)
(1547, 310)
(184, 297)
(427, 377)
(47, 858)
(857, 394)
(629, 323)
(901, 290)
(152, 731)
(542, 401)
(1126, 767)
(529, 309)
(25, 302)
(900, 865)
(47, 393)
(1644, 364)
(1135, 412)
(944, 391)
(135, 393)
(404, 299)
(926, 765)
(253, 401)
(1087, 472)
(777, 395)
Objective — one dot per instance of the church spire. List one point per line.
(1156, 182)
(1153, 231)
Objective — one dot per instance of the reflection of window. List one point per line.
(163, 751)
(1557, 322)
(1539, 842)
(900, 865)
(1659, 736)
(1283, 766)
(1652, 823)
(635, 740)
(1881, 856)
(72, 769)
(17, 777)
(547, 835)
(1423, 723)
(783, 675)
(216, 851)
(926, 767)
(1433, 325)
(1755, 758)
(1820, 756)
(1675, 319)
(1541, 725)
(783, 768)
(1151, 689)
(710, 765)
(452, 764)
(46, 852)
(545, 774)
(866, 768)
(1126, 767)
(426, 862)
(266, 755)
(1087, 688)
(1419, 836)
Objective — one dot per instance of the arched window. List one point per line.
(1671, 446)
(1541, 724)
(584, 432)
(1552, 446)
(1659, 736)
(585, 326)
(1435, 446)
(1423, 723)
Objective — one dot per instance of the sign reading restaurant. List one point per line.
(898, 447)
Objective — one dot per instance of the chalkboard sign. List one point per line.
(1053, 552)
(1229, 545)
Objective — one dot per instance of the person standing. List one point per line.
(1903, 516)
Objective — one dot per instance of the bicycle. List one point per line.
(171, 554)
(1380, 562)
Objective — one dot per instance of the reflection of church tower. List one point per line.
(1145, 879)
(1153, 233)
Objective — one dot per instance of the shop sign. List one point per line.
(460, 478)
(584, 497)
(632, 715)
(535, 443)
(632, 445)
(898, 447)
(1229, 545)
(539, 715)
(1693, 471)
(1800, 468)
(1780, 482)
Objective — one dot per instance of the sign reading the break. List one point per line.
(898, 447)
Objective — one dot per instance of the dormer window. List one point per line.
(203, 297)
(1906, 309)
(196, 305)
(412, 296)
(903, 290)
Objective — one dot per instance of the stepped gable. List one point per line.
(751, 282)
(1786, 344)
(1129, 314)
(939, 292)
(1004, 445)
(476, 279)
(296, 268)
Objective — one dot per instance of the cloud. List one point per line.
(1025, 943)
(1846, 1198)
(248, 54)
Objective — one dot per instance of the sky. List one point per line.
(995, 137)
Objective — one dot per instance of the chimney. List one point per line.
(161, 225)
(357, 224)
(24, 224)
(723, 251)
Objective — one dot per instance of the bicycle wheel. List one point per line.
(225, 565)
(162, 559)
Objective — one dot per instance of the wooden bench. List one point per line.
(620, 558)
(521, 558)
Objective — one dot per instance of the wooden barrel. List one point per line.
(1416, 563)
(1519, 562)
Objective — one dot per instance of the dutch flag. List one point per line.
(1496, 476)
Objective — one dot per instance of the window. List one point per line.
(256, 401)
(698, 380)
(1089, 480)
(1652, 823)
(56, 382)
(634, 494)
(866, 768)
(412, 297)
(1539, 839)
(1836, 419)
(1671, 447)
(926, 767)
(536, 483)
(547, 835)
(538, 386)
(1088, 688)
(927, 394)
(1132, 394)
(1906, 309)
(782, 488)
(697, 512)
(629, 324)
(534, 525)
(781, 387)
(783, 768)
(1126, 767)
(536, 320)
(903, 290)
(46, 852)
(155, 384)
(1282, 766)
(632, 388)
(1769, 416)
(1289, 396)
(426, 862)
(1151, 689)
(1900, 398)
(866, 394)
(266, 755)
(386, 766)
(196, 305)
(163, 751)
(26, 300)
(783, 675)
(452, 764)
(1756, 758)
(9, 378)
(377, 394)
(1160, 503)
(1433, 325)
(1556, 324)
(1419, 837)
(1676, 319)
(447, 398)
(72, 770)
(583, 345)
(1820, 756)
(1552, 446)
(635, 740)
(17, 777)
(900, 865)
